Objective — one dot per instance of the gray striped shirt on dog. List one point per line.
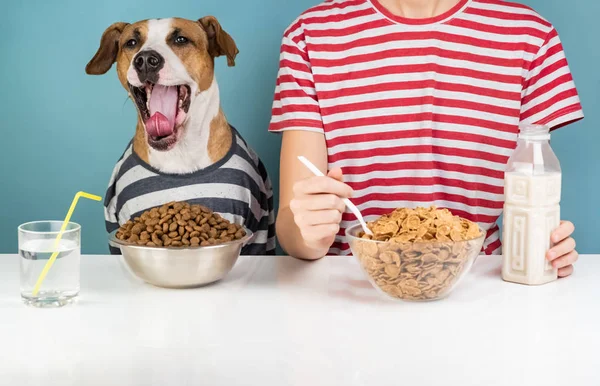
(237, 187)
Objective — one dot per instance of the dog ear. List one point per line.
(108, 50)
(219, 41)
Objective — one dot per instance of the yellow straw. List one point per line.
(40, 279)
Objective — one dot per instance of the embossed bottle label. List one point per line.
(531, 213)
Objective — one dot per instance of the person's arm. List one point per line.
(310, 208)
(312, 146)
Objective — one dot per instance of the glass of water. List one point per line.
(36, 245)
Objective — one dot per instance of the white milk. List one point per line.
(531, 213)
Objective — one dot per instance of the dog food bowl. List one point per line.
(414, 271)
(189, 267)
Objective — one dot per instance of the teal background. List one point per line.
(62, 131)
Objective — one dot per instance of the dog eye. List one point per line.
(131, 43)
(181, 40)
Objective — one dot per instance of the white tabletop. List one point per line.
(277, 321)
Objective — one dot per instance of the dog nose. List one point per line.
(148, 64)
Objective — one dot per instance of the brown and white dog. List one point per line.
(167, 67)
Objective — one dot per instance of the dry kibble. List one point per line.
(152, 222)
(179, 224)
(137, 229)
(424, 250)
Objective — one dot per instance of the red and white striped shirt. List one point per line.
(421, 112)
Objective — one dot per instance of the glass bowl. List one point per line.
(414, 271)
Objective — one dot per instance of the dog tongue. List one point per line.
(163, 108)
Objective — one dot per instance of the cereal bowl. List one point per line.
(186, 267)
(414, 270)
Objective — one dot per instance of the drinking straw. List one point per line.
(48, 265)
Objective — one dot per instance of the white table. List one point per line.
(276, 321)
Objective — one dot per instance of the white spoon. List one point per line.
(348, 203)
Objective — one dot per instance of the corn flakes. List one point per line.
(424, 253)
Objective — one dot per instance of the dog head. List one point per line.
(164, 64)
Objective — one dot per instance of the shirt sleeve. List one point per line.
(260, 219)
(549, 94)
(295, 106)
(111, 220)
(269, 216)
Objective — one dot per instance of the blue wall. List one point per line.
(63, 130)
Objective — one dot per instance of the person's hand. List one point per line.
(563, 253)
(317, 207)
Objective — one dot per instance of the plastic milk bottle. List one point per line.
(532, 185)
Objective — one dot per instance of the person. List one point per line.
(406, 103)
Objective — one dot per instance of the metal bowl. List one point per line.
(171, 267)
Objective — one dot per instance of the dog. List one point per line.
(183, 148)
